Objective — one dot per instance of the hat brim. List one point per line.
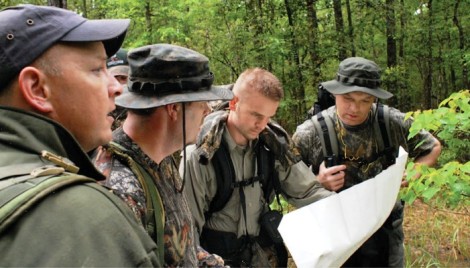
(133, 100)
(110, 32)
(338, 88)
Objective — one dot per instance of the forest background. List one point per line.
(421, 45)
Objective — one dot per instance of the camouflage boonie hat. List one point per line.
(357, 74)
(162, 74)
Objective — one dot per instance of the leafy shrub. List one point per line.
(449, 183)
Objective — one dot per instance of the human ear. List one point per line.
(173, 110)
(232, 103)
(34, 89)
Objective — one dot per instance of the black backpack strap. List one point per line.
(268, 178)
(225, 176)
(388, 150)
(324, 125)
(226, 180)
(264, 162)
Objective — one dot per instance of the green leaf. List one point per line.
(430, 192)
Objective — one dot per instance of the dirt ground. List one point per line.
(435, 236)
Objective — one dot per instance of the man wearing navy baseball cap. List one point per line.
(55, 99)
(118, 66)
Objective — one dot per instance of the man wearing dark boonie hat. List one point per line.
(356, 90)
(55, 100)
(357, 74)
(166, 97)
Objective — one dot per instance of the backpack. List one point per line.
(155, 211)
(269, 181)
(18, 194)
(325, 126)
(226, 181)
(324, 100)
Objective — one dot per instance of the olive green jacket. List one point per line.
(79, 225)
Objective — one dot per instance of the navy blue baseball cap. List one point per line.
(27, 31)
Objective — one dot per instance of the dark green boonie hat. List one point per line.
(162, 74)
(357, 74)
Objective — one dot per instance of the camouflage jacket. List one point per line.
(358, 147)
(180, 246)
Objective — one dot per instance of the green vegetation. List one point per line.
(448, 185)
(437, 216)
(422, 46)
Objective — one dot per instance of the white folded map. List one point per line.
(326, 233)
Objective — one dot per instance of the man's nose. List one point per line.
(115, 87)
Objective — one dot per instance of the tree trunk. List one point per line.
(465, 81)
(429, 60)
(350, 29)
(391, 32)
(57, 3)
(298, 88)
(148, 19)
(339, 29)
(84, 9)
(401, 40)
(315, 59)
(391, 47)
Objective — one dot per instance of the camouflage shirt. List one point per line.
(180, 246)
(358, 146)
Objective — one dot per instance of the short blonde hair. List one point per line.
(261, 81)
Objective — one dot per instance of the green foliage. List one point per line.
(449, 183)
(275, 206)
(395, 80)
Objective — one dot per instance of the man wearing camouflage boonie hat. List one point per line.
(166, 97)
(356, 90)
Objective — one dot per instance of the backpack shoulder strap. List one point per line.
(155, 224)
(18, 194)
(324, 126)
(384, 124)
(385, 143)
(380, 129)
(226, 181)
(225, 177)
(268, 178)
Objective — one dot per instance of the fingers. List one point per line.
(404, 183)
(332, 178)
(335, 181)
